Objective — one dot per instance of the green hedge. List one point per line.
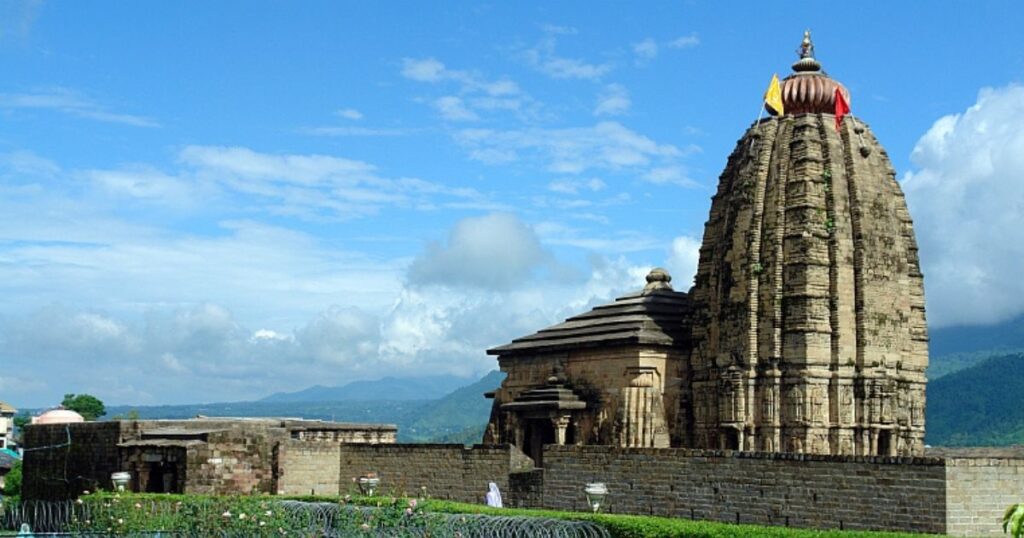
(626, 526)
(205, 512)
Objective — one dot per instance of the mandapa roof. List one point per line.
(6, 407)
(656, 316)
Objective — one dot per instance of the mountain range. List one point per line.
(456, 417)
(974, 396)
(395, 388)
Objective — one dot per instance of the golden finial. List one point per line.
(806, 46)
(806, 63)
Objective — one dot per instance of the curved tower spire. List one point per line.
(813, 337)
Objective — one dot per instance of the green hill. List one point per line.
(456, 417)
(982, 405)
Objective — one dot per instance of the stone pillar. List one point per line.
(561, 424)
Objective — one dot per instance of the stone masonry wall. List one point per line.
(232, 462)
(451, 472)
(308, 467)
(849, 492)
(978, 492)
(63, 460)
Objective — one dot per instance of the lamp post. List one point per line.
(596, 492)
(368, 483)
(121, 479)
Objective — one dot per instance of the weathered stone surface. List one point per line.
(209, 456)
(812, 334)
(451, 472)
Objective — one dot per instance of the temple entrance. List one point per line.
(539, 432)
(162, 477)
(730, 439)
(884, 442)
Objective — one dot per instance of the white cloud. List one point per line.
(311, 186)
(477, 93)
(143, 183)
(17, 18)
(606, 145)
(496, 251)
(613, 101)
(330, 130)
(620, 241)
(670, 175)
(645, 50)
(452, 108)
(684, 42)
(28, 163)
(423, 70)
(683, 257)
(350, 114)
(70, 102)
(544, 58)
(574, 186)
(966, 197)
(291, 312)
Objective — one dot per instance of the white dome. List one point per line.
(58, 416)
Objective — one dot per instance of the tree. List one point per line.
(22, 420)
(87, 405)
(132, 414)
(12, 484)
(1013, 520)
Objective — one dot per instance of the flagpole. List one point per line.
(757, 125)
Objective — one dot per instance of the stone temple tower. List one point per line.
(810, 332)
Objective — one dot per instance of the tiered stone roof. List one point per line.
(653, 316)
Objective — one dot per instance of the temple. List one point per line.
(804, 331)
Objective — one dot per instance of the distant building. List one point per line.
(58, 416)
(202, 455)
(6, 424)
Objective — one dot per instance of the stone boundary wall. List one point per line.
(231, 462)
(56, 469)
(309, 468)
(978, 490)
(797, 490)
(451, 472)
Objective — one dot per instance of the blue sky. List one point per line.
(207, 201)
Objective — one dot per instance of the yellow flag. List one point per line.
(773, 97)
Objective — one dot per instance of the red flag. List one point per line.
(842, 108)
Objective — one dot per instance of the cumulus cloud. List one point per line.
(684, 254)
(291, 313)
(966, 196)
(612, 101)
(496, 251)
(190, 353)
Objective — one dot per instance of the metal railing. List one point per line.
(294, 518)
